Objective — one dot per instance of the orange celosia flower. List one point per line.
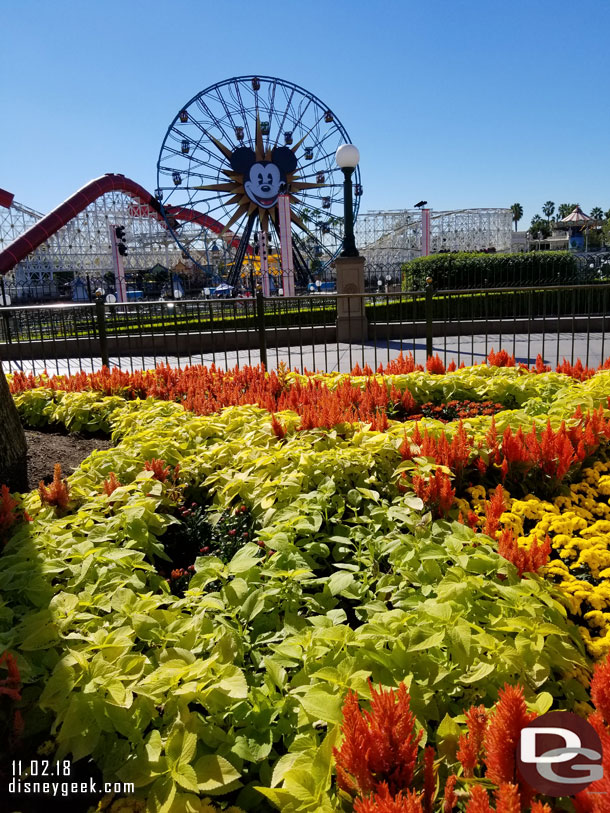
(526, 560)
(450, 797)
(435, 365)
(500, 359)
(478, 801)
(11, 684)
(436, 492)
(539, 807)
(600, 689)
(279, 429)
(8, 514)
(508, 799)
(384, 802)
(160, 471)
(495, 508)
(56, 494)
(378, 746)
(509, 716)
(429, 779)
(470, 745)
(111, 484)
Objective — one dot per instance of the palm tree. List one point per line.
(597, 213)
(517, 211)
(548, 209)
(565, 209)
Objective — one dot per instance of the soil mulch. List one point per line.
(45, 449)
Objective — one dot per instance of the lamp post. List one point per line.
(388, 280)
(347, 157)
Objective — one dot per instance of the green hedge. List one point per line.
(480, 270)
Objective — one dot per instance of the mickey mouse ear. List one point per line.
(285, 159)
(242, 159)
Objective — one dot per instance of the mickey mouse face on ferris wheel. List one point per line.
(263, 180)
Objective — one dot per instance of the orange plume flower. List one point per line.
(379, 745)
(57, 493)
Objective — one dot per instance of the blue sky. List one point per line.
(465, 104)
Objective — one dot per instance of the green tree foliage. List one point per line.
(597, 213)
(564, 209)
(517, 211)
(548, 210)
(540, 227)
(478, 270)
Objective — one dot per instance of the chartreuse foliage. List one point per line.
(235, 689)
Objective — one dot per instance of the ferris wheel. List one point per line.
(229, 154)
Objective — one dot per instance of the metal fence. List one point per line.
(320, 332)
(505, 270)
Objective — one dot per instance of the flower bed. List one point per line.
(192, 606)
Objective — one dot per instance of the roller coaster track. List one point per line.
(41, 231)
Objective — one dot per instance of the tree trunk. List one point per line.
(13, 449)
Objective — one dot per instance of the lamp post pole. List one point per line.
(352, 323)
(349, 242)
(347, 157)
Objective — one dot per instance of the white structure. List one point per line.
(83, 248)
(396, 236)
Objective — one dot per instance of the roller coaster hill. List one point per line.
(67, 254)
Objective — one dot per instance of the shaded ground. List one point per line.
(47, 448)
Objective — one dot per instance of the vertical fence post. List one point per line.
(5, 316)
(100, 316)
(260, 319)
(429, 305)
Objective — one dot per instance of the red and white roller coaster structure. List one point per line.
(75, 236)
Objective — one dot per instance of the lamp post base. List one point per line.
(352, 324)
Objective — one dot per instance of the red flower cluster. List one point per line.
(379, 746)
(454, 410)
(384, 802)
(111, 484)
(594, 799)
(435, 365)
(486, 752)
(161, 472)
(495, 508)
(9, 514)
(526, 560)
(470, 745)
(435, 491)
(500, 359)
(56, 494)
(553, 452)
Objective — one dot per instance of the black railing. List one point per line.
(327, 331)
(505, 270)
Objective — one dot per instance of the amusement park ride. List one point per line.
(247, 185)
(232, 158)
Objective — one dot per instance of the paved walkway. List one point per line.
(592, 349)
